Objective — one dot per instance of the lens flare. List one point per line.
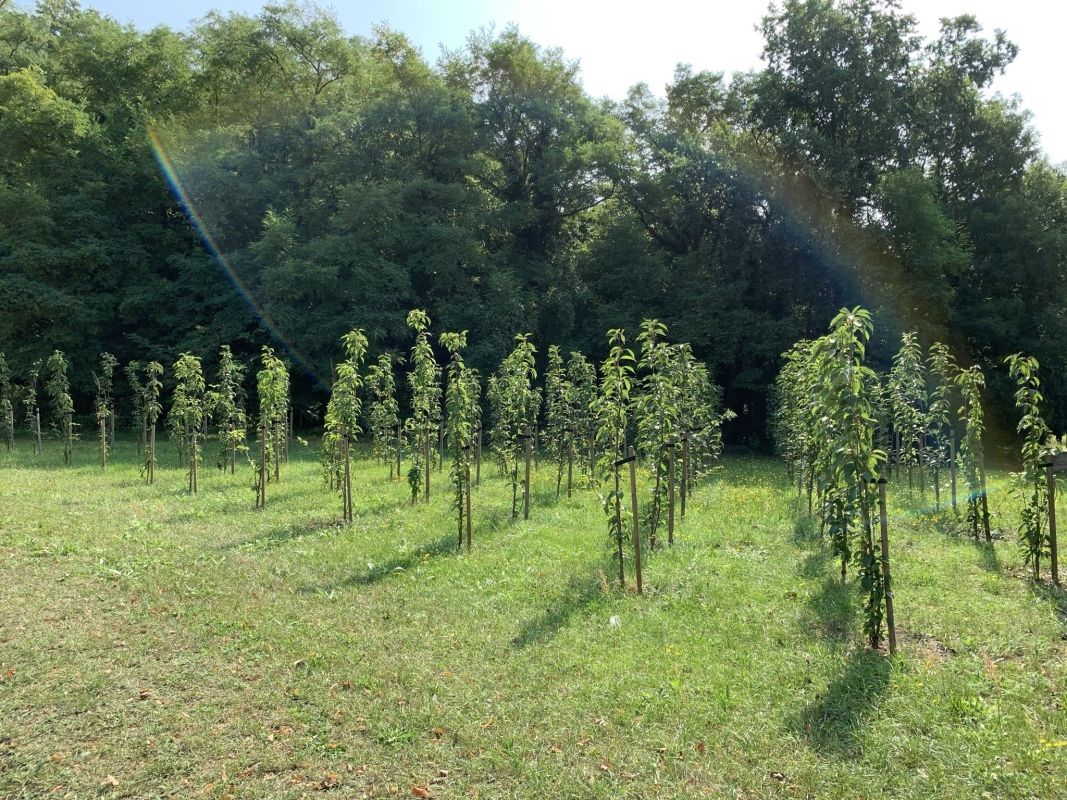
(181, 194)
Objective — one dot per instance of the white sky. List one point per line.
(620, 43)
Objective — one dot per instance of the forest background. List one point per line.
(274, 179)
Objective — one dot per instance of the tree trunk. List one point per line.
(633, 511)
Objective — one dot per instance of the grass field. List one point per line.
(154, 644)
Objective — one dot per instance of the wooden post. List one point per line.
(11, 429)
(478, 458)
(952, 469)
(570, 466)
(261, 496)
(151, 445)
(1052, 547)
(459, 519)
(670, 493)
(111, 423)
(277, 452)
(685, 473)
(103, 443)
(537, 449)
(985, 503)
(618, 523)
(632, 458)
(399, 448)
(887, 586)
(426, 452)
(192, 461)
(937, 481)
(922, 467)
(467, 490)
(346, 490)
(526, 483)
(37, 413)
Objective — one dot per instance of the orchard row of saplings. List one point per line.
(658, 404)
(843, 429)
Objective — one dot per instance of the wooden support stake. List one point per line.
(670, 493)
(887, 586)
(952, 469)
(1052, 547)
(40, 449)
(478, 459)
(426, 452)
(526, 483)
(632, 457)
(985, 504)
(346, 490)
(467, 491)
(570, 467)
(685, 474)
(937, 483)
(151, 445)
(618, 524)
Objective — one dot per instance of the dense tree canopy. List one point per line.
(271, 179)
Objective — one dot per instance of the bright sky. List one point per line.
(620, 46)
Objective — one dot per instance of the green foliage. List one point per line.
(941, 367)
(152, 407)
(344, 408)
(462, 411)
(827, 401)
(658, 413)
(514, 401)
(345, 176)
(612, 409)
(188, 408)
(104, 405)
(226, 406)
(62, 406)
(578, 400)
(272, 388)
(7, 412)
(137, 396)
(425, 382)
(384, 411)
(701, 413)
(29, 400)
(557, 389)
(1032, 486)
(908, 401)
(971, 384)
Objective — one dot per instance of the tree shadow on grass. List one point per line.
(987, 557)
(580, 594)
(834, 721)
(833, 609)
(286, 533)
(443, 546)
(485, 524)
(290, 532)
(1056, 596)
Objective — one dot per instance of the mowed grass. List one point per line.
(156, 644)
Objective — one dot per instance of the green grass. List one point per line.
(193, 647)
